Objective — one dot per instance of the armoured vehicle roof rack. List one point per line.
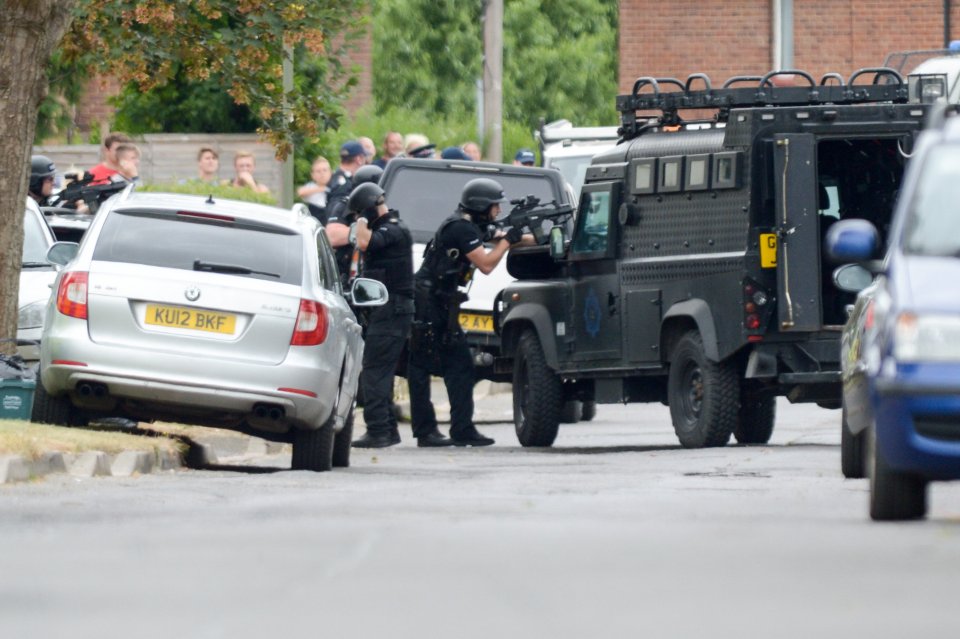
(887, 86)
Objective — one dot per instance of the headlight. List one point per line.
(32, 315)
(926, 338)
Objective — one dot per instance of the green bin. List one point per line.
(16, 398)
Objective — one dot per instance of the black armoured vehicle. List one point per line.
(694, 274)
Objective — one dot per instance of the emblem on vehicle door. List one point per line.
(192, 293)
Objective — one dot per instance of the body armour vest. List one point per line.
(443, 266)
(393, 264)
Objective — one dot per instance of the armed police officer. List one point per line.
(388, 257)
(42, 173)
(438, 344)
(342, 217)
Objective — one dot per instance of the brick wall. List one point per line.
(723, 38)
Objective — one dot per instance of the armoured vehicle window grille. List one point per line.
(726, 173)
(698, 173)
(645, 273)
(644, 174)
(671, 171)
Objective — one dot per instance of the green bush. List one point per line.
(225, 191)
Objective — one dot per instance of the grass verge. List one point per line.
(29, 440)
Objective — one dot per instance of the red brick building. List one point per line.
(723, 38)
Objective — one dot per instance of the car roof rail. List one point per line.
(769, 90)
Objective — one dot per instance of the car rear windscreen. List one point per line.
(425, 198)
(172, 241)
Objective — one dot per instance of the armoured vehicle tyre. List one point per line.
(758, 413)
(852, 462)
(54, 410)
(704, 396)
(342, 441)
(571, 412)
(894, 495)
(589, 411)
(313, 449)
(537, 394)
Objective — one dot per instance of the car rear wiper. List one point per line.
(35, 264)
(199, 265)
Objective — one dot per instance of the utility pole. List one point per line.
(493, 79)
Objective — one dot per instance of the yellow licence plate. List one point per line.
(193, 318)
(473, 322)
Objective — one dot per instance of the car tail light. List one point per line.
(312, 324)
(72, 294)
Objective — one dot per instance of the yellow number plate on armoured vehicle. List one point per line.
(768, 250)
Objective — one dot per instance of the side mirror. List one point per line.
(62, 252)
(852, 241)
(367, 292)
(557, 242)
(852, 278)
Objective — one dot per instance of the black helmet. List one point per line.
(480, 194)
(364, 197)
(367, 173)
(41, 167)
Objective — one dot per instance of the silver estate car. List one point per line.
(210, 312)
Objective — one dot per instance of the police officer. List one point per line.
(438, 344)
(388, 258)
(341, 217)
(42, 172)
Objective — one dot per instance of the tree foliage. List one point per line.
(560, 58)
(237, 46)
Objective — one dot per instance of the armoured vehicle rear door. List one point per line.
(596, 312)
(798, 235)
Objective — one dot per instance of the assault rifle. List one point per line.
(80, 189)
(530, 216)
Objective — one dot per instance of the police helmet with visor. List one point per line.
(367, 173)
(41, 168)
(479, 195)
(365, 199)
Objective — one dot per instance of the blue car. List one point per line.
(900, 352)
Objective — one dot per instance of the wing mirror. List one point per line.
(852, 278)
(62, 252)
(558, 241)
(367, 292)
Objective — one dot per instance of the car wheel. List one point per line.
(54, 410)
(589, 410)
(571, 411)
(852, 462)
(537, 393)
(704, 396)
(313, 449)
(758, 412)
(894, 495)
(342, 441)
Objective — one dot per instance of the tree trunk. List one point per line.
(29, 32)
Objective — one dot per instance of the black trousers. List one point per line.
(387, 331)
(450, 358)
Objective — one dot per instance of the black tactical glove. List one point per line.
(514, 235)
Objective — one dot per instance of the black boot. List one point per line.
(472, 438)
(433, 440)
(377, 440)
